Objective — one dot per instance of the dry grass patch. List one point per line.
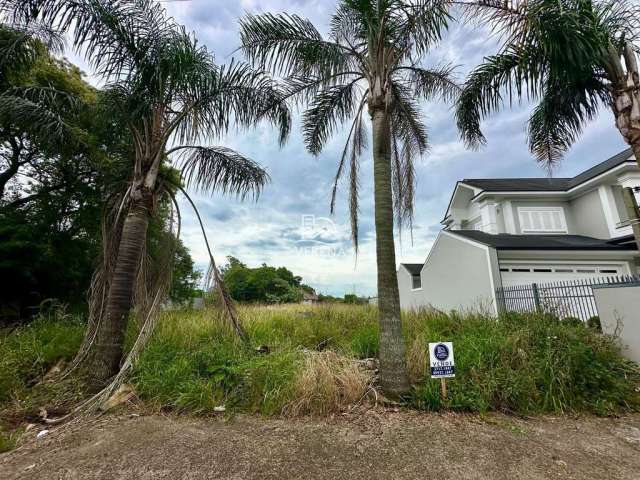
(328, 383)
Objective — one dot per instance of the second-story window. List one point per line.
(542, 220)
(416, 281)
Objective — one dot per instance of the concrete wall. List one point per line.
(619, 311)
(456, 276)
(409, 298)
(588, 216)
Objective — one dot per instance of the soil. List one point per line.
(383, 444)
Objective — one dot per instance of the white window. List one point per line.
(475, 224)
(542, 219)
(416, 281)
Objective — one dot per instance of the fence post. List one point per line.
(536, 297)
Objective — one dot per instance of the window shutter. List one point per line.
(542, 219)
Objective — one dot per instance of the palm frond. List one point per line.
(503, 17)
(423, 24)
(407, 122)
(403, 184)
(515, 71)
(356, 143)
(559, 118)
(331, 107)
(115, 36)
(409, 141)
(354, 195)
(237, 93)
(288, 45)
(301, 90)
(32, 109)
(350, 22)
(220, 169)
(21, 45)
(433, 83)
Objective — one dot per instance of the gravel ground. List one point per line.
(377, 444)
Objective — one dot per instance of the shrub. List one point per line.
(573, 321)
(529, 363)
(594, 324)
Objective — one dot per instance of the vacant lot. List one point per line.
(375, 444)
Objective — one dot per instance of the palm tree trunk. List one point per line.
(393, 374)
(626, 109)
(106, 352)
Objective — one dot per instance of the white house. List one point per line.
(511, 231)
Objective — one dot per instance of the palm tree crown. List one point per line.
(369, 59)
(166, 86)
(565, 55)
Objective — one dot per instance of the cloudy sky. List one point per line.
(290, 224)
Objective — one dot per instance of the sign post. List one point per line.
(442, 363)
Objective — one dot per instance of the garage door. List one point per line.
(524, 274)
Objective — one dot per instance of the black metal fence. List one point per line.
(565, 299)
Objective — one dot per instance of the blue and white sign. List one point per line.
(441, 360)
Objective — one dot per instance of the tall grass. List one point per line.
(27, 353)
(308, 362)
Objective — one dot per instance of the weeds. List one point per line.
(520, 363)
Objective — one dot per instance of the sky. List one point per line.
(290, 224)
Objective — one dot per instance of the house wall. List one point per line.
(584, 215)
(409, 298)
(618, 311)
(588, 216)
(456, 276)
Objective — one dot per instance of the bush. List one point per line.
(528, 363)
(573, 321)
(594, 324)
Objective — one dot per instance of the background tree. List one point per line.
(185, 280)
(54, 191)
(262, 284)
(570, 57)
(370, 60)
(170, 94)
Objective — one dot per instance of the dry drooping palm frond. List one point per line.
(213, 279)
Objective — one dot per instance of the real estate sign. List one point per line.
(441, 360)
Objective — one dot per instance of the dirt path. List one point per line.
(385, 445)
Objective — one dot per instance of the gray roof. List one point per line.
(505, 241)
(414, 268)
(547, 184)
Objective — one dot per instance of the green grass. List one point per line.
(522, 363)
(27, 353)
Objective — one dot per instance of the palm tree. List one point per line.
(171, 95)
(571, 57)
(370, 59)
